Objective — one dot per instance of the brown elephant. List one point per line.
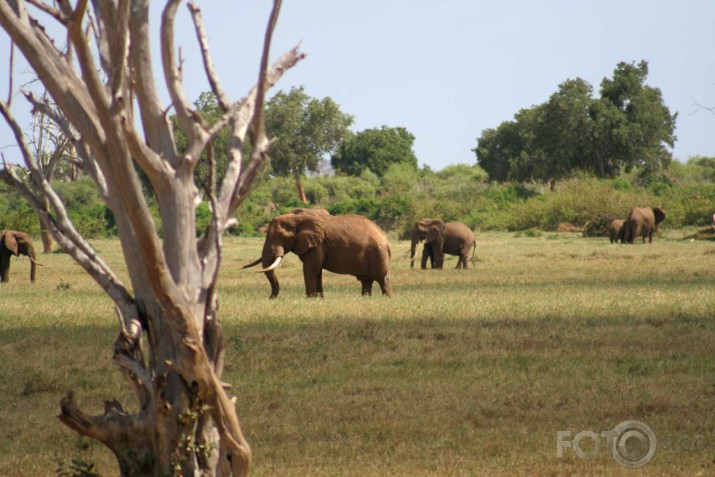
(346, 244)
(615, 230)
(453, 238)
(15, 243)
(641, 222)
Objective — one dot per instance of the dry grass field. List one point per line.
(461, 373)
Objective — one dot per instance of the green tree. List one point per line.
(506, 153)
(644, 127)
(496, 148)
(375, 150)
(307, 129)
(628, 126)
(704, 167)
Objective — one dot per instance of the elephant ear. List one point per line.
(439, 224)
(310, 232)
(422, 226)
(11, 242)
(659, 215)
(433, 234)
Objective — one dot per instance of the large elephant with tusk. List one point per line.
(13, 242)
(346, 244)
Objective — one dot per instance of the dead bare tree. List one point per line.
(52, 150)
(170, 343)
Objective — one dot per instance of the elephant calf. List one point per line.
(347, 244)
(452, 238)
(615, 230)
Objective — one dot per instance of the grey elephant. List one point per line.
(452, 238)
(347, 244)
(615, 230)
(15, 243)
(641, 222)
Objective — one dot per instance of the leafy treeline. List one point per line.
(459, 192)
(627, 126)
(608, 155)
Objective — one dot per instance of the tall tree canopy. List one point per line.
(375, 150)
(627, 126)
(170, 345)
(307, 129)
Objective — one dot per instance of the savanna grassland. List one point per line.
(461, 373)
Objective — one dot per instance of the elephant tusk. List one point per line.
(252, 264)
(35, 262)
(273, 266)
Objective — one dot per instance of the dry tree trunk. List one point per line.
(299, 187)
(170, 342)
(48, 241)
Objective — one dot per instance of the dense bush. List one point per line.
(461, 192)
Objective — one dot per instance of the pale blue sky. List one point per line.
(446, 70)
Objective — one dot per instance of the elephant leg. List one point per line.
(426, 253)
(462, 261)
(320, 283)
(4, 267)
(631, 237)
(366, 285)
(385, 285)
(312, 275)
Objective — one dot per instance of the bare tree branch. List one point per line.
(53, 12)
(173, 81)
(10, 74)
(710, 109)
(223, 100)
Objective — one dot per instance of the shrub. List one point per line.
(404, 194)
(366, 207)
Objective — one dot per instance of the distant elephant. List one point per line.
(453, 238)
(615, 230)
(641, 222)
(347, 244)
(15, 243)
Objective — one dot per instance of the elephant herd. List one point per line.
(640, 222)
(354, 245)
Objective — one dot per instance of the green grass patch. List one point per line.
(462, 372)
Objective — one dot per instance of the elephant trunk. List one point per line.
(273, 280)
(269, 257)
